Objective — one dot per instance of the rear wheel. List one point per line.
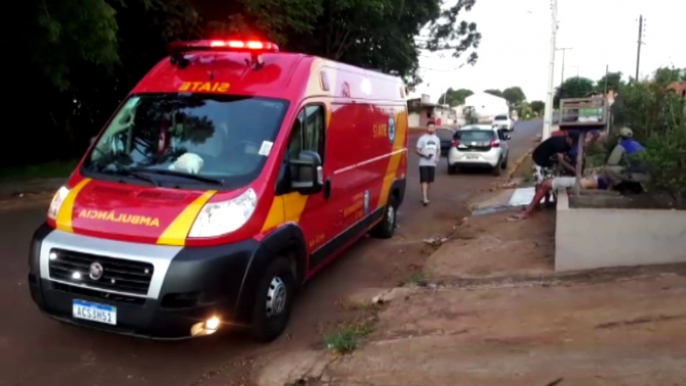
(274, 301)
(386, 228)
(498, 168)
(504, 164)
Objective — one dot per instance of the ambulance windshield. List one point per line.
(183, 140)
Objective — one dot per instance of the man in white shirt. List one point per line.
(429, 151)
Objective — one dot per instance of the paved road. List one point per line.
(35, 350)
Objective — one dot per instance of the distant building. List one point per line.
(422, 110)
(487, 106)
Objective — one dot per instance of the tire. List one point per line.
(504, 164)
(498, 168)
(386, 228)
(274, 301)
(452, 169)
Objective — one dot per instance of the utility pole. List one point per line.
(548, 115)
(562, 76)
(640, 41)
(606, 72)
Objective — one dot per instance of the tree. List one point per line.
(79, 59)
(665, 75)
(611, 81)
(514, 95)
(455, 97)
(574, 88)
(497, 93)
(376, 34)
(537, 107)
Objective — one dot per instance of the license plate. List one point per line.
(472, 156)
(94, 312)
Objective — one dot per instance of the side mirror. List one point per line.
(307, 175)
(508, 137)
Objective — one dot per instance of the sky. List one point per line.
(515, 44)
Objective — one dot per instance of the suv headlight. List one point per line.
(57, 201)
(219, 218)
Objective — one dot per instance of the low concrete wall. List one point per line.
(598, 238)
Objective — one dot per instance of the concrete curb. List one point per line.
(518, 163)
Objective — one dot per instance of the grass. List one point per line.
(416, 278)
(55, 169)
(349, 305)
(346, 338)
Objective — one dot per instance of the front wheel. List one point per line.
(386, 228)
(274, 301)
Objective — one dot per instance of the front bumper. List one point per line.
(188, 285)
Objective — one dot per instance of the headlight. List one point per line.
(219, 218)
(57, 201)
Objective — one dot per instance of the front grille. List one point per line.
(119, 275)
(106, 296)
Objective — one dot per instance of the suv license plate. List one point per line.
(94, 312)
(472, 156)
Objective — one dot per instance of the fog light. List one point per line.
(208, 327)
(76, 275)
(53, 256)
(212, 323)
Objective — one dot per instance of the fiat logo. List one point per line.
(95, 272)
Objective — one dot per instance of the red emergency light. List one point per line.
(255, 46)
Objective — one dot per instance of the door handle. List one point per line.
(327, 188)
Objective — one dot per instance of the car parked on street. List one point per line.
(479, 146)
(504, 121)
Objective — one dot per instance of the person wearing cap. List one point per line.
(622, 166)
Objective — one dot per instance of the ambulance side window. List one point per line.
(308, 133)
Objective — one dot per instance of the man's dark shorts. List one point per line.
(427, 174)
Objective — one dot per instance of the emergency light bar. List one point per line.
(255, 46)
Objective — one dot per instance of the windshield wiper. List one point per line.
(166, 172)
(134, 173)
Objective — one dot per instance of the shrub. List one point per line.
(666, 153)
(658, 120)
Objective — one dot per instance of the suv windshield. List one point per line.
(183, 140)
(444, 134)
(475, 135)
(501, 117)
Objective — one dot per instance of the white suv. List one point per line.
(479, 145)
(503, 121)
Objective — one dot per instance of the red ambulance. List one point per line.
(230, 175)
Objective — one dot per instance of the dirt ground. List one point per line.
(492, 312)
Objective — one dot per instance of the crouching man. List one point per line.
(623, 166)
(594, 182)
